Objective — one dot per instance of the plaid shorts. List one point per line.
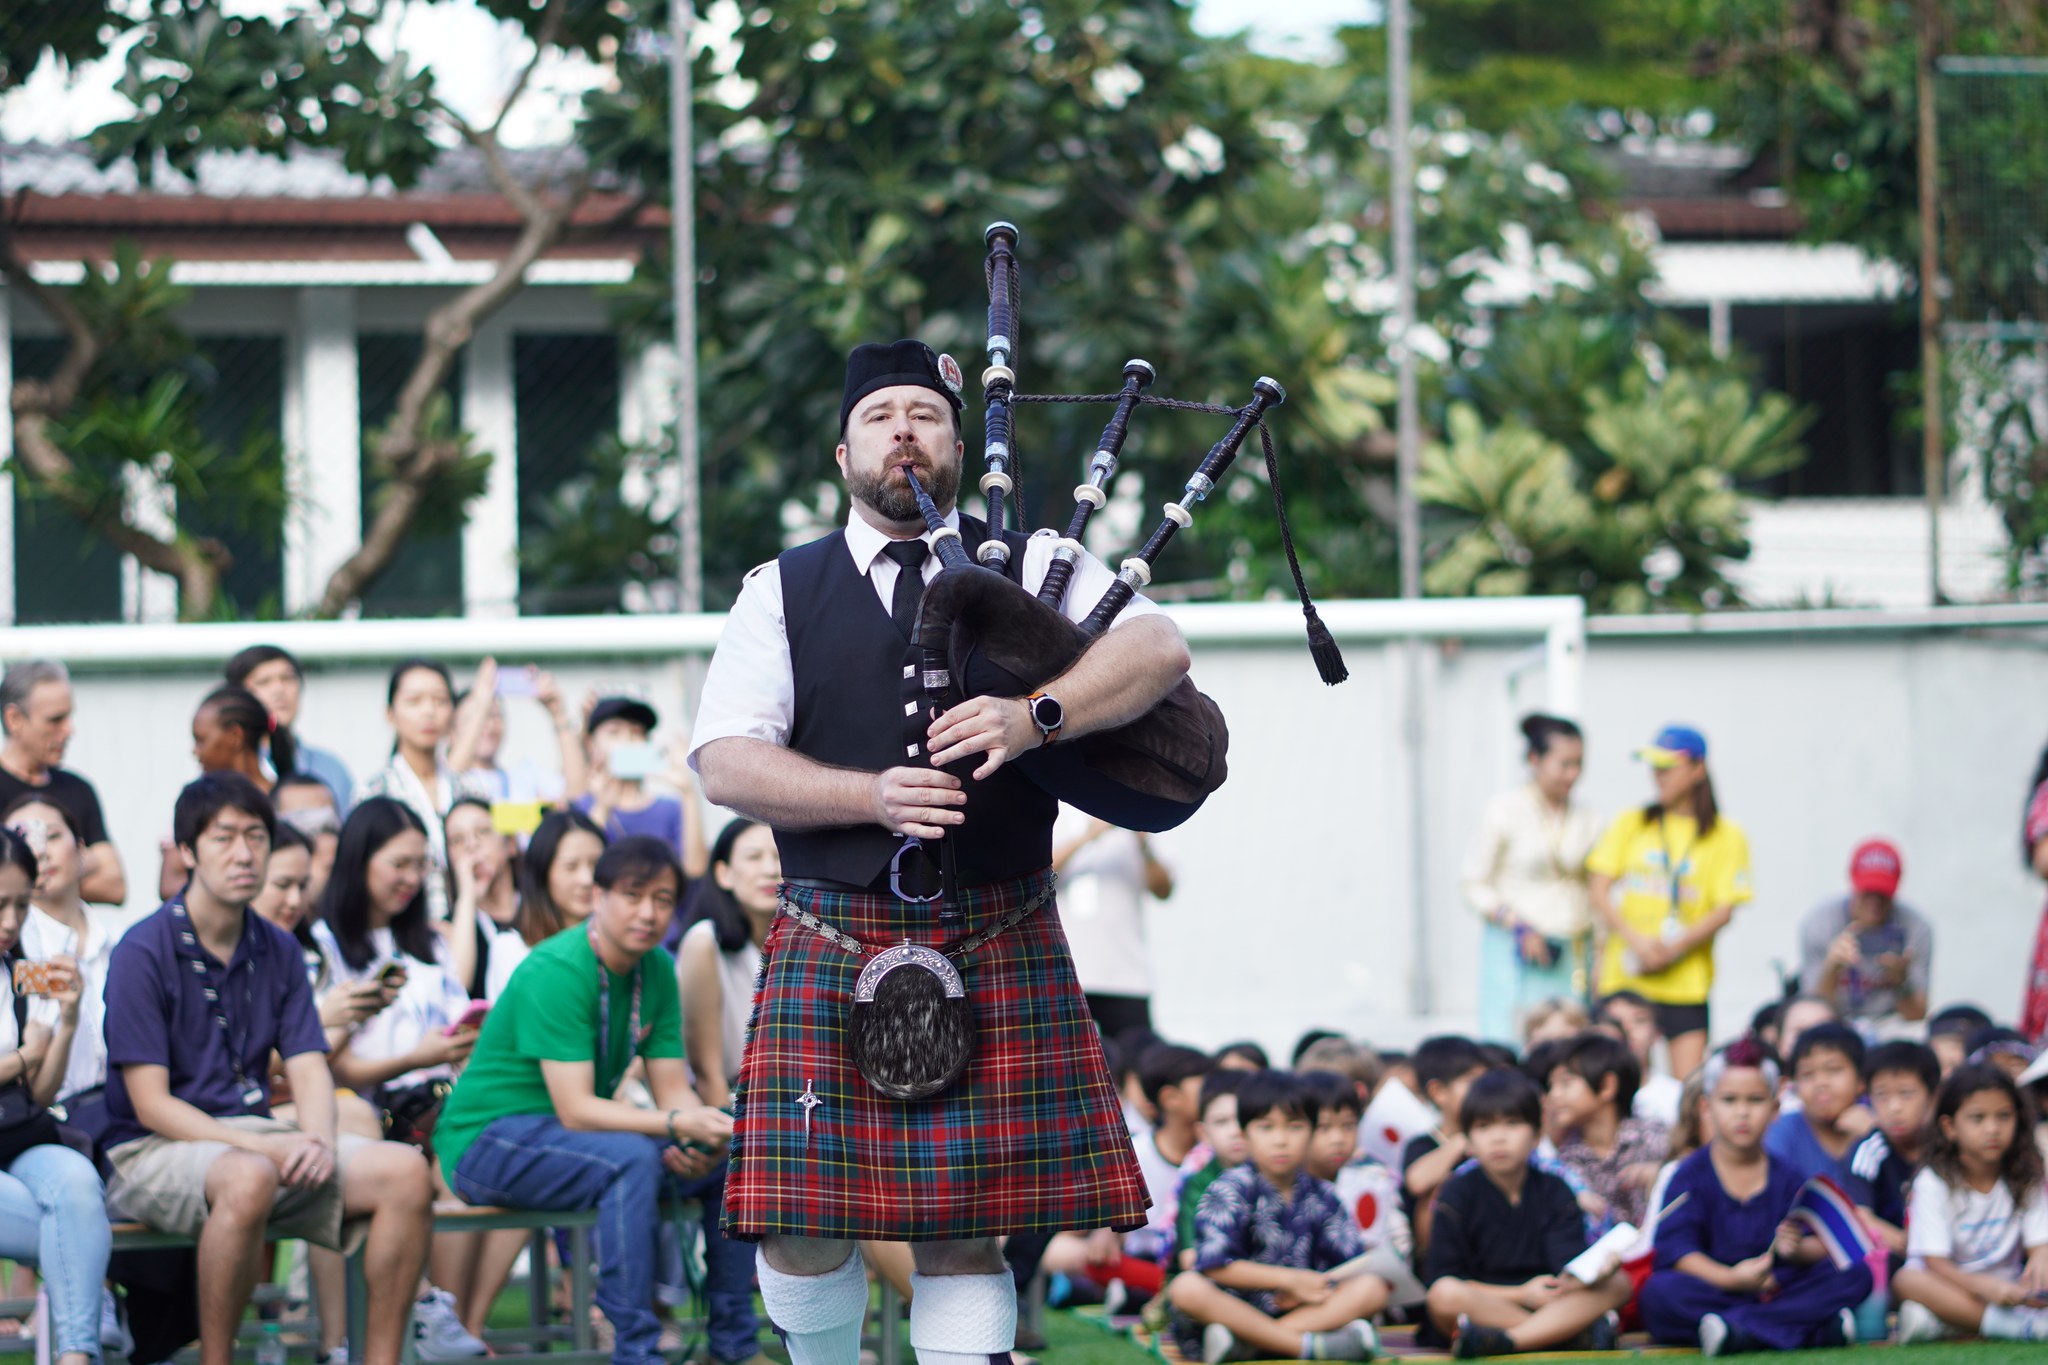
(1030, 1139)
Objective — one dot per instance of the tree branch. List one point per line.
(415, 463)
(197, 565)
(550, 29)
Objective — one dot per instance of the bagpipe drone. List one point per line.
(980, 634)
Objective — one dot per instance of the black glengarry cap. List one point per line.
(883, 365)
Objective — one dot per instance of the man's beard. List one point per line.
(895, 502)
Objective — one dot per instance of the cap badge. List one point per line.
(949, 373)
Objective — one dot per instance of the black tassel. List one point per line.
(1322, 646)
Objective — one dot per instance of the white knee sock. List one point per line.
(821, 1314)
(963, 1319)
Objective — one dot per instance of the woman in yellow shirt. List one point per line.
(1664, 881)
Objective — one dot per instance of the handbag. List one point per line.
(411, 1111)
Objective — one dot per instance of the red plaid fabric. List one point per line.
(1031, 1138)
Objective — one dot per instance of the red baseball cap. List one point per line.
(1876, 866)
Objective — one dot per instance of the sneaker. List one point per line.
(1713, 1335)
(1475, 1341)
(1217, 1344)
(1114, 1297)
(437, 1333)
(1355, 1340)
(1840, 1330)
(337, 1356)
(1917, 1322)
(1605, 1333)
(114, 1333)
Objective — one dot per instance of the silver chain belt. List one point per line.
(957, 951)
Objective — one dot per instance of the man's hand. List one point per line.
(302, 1160)
(688, 1165)
(1000, 727)
(1539, 1291)
(919, 802)
(1844, 951)
(711, 1127)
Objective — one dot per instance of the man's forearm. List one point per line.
(312, 1094)
(1121, 676)
(782, 788)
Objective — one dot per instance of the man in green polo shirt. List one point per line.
(531, 1124)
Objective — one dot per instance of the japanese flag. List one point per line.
(1393, 1120)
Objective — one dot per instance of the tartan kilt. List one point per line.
(1030, 1139)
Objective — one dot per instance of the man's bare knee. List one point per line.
(805, 1255)
(1447, 1297)
(976, 1256)
(241, 1186)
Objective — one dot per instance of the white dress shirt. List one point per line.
(750, 689)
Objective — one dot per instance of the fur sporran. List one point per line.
(911, 1031)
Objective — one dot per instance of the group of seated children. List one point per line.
(1548, 1206)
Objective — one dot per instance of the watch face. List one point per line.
(1048, 712)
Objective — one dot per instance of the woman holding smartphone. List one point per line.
(373, 927)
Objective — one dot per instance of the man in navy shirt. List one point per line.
(198, 997)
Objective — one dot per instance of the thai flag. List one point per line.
(1832, 1216)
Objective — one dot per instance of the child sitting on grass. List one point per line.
(1827, 1075)
(1977, 1235)
(1446, 1068)
(1221, 1147)
(1267, 1233)
(1592, 1091)
(1731, 1273)
(1903, 1079)
(1503, 1235)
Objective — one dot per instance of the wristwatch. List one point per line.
(1047, 714)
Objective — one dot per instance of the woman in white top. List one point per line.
(60, 925)
(719, 957)
(373, 927)
(1105, 874)
(52, 1207)
(420, 708)
(1525, 873)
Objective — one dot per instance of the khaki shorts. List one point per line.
(162, 1183)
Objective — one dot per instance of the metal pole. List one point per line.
(683, 213)
(1408, 420)
(1933, 466)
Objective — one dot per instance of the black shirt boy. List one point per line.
(1478, 1235)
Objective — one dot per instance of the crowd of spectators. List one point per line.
(529, 986)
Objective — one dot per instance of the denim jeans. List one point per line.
(530, 1161)
(53, 1215)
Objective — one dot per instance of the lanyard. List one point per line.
(1671, 867)
(604, 1014)
(196, 955)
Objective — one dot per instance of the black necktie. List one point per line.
(909, 556)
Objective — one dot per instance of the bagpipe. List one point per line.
(979, 633)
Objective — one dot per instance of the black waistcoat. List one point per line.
(848, 660)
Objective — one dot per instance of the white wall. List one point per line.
(1294, 907)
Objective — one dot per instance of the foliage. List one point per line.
(2001, 406)
(1605, 472)
(596, 537)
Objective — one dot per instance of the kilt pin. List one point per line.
(1030, 1139)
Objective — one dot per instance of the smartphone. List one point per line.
(517, 682)
(518, 818)
(472, 1018)
(35, 978)
(634, 762)
(392, 975)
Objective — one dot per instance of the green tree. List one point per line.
(201, 78)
